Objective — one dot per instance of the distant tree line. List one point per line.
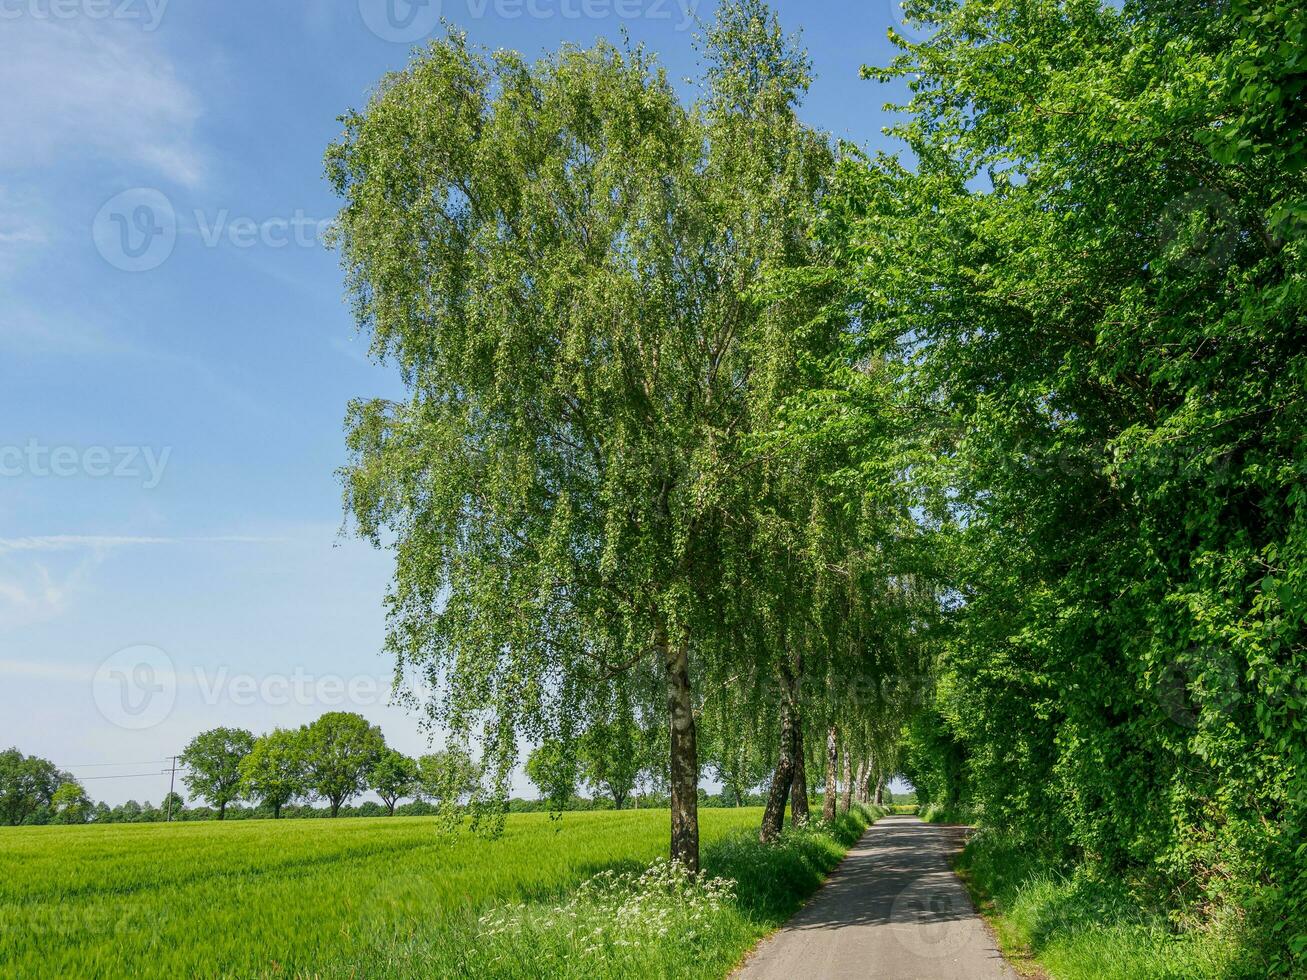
(331, 761)
(280, 775)
(36, 791)
(283, 773)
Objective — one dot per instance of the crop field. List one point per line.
(396, 897)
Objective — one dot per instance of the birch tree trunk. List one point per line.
(846, 803)
(685, 752)
(799, 814)
(773, 817)
(832, 761)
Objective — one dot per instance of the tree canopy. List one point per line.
(339, 752)
(213, 765)
(273, 771)
(575, 308)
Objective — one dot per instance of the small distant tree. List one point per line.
(213, 762)
(449, 777)
(129, 812)
(553, 769)
(273, 772)
(173, 804)
(70, 804)
(394, 777)
(609, 759)
(340, 751)
(733, 755)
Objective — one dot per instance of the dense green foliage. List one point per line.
(213, 765)
(393, 777)
(383, 897)
(28, 788)
(339, 752)
(273, 771)
(1092, 282)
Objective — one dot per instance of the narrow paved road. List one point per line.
(892, 911)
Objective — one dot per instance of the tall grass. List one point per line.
(395, 898)
(1080, 925)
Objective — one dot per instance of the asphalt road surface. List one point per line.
(892, 911)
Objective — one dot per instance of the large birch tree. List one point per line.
(561, 259)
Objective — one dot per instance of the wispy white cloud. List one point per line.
(83, 542)
(91, 88)
(36, 670)
(22, 330)
(33, 594)
(23, 227)
(28, 235)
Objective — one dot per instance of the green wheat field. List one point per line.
(581, 896)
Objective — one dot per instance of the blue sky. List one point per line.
(176, 355)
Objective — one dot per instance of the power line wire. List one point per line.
(106, 765)
(127, 775)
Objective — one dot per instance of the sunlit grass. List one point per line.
(1081, 926)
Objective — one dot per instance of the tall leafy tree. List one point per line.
(561, 258)
(27, 786)
(339, 752)
(554, 770)
(609, 756)
(172, 805)
(213, 765)
(273, 772)
(736, 745)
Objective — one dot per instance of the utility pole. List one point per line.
(172, 781)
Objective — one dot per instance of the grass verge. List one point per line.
(1079, 925)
